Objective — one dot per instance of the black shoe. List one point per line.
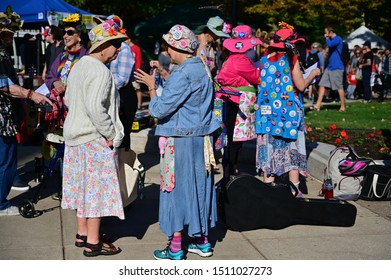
(20, 186)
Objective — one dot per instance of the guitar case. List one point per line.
(246, 203)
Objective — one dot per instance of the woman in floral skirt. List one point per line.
(92, 133)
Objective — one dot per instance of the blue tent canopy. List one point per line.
(35, 11)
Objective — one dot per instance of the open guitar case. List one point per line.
(246, 203)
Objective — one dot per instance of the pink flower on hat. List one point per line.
(183, 43)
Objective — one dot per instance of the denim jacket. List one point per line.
(185, 107)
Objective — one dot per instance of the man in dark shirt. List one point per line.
(366, 69)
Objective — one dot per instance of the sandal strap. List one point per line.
(94, 247)
(81, 237)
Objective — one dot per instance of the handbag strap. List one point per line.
(374, 184)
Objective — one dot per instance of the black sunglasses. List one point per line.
(116, 44)
(69, 32)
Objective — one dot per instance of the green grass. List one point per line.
(374, 115)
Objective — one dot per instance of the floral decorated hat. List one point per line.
(285, 37)
(10, 21)
(181, 38)
(106, 31)
(242, 39)
(74, 20)
(219, 27)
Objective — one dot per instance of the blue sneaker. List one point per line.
(166, 254)
(203, 250)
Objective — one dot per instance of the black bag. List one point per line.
(377, 183)
(246, 203)
(312, 58)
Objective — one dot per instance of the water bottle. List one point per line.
(328, 189)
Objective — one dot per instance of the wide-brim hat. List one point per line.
(285, 35)
(242, 40)
(6, 30)
(181, 38)
(216, 25)
(104, 32)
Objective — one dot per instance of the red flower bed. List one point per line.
(367, 143)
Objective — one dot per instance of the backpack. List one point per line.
(344, 187)
(312, 58)
(345, 55)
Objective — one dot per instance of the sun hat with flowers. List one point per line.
(242, 39)
(285, 37)
(10, 21)
(181, 38)
(106, 31)
(219, 27)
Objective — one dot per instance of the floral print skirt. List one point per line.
(245, 119)
(276, 155)
(90, 180)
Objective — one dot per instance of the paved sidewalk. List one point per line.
(51, 236)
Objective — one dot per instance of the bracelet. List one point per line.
(151, 89)
(29, 94)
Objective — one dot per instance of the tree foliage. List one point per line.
(308, 16)
(312, 15)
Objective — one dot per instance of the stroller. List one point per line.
(42, 173)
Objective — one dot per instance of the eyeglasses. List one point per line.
(116, 44)
(69, 32)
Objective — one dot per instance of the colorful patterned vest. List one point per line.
(278, 108)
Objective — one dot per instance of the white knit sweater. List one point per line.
(93, 104)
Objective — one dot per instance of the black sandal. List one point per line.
(99, 249)
(81, 244)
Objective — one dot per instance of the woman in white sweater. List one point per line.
(92, 132)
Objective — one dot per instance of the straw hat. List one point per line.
(242, 39)
(181, 38)
(106, 31)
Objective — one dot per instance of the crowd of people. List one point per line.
(257, 81)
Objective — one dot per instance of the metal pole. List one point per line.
(234, 12)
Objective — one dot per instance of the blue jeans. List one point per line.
(8, 165)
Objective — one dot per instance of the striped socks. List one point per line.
(176, 243)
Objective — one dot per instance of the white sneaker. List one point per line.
(10, 211)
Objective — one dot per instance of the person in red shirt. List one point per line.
(352, 82)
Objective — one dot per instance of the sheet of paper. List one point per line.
(43, 89)
(308, 71)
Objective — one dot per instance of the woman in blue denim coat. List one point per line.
(185, 124)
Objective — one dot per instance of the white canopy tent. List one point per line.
(362, 34)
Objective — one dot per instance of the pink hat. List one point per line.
(242, 39)
(285, 35)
